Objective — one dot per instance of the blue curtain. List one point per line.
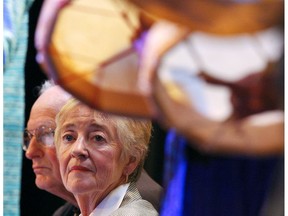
(15, 39)
(205, 185)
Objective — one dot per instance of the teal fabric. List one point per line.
(15, 47)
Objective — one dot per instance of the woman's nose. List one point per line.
(79, 149)
(34, 149)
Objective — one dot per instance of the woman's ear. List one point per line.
(131, 165)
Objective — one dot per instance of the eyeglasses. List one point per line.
(43, 135)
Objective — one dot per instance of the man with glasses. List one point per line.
(39, 143)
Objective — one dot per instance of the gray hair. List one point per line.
(46, 85)
(39, 90)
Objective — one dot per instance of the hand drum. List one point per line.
(93, 57)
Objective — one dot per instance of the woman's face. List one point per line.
(89, 153)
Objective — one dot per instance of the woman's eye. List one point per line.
(98, 138)
(68, 138)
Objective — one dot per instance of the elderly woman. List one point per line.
(101, 157)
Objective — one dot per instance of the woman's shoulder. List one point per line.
(136, 208)
(134, 205)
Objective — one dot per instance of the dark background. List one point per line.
(35, 202)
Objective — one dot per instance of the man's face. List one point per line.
(45, 162)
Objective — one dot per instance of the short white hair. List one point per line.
(46, 85)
